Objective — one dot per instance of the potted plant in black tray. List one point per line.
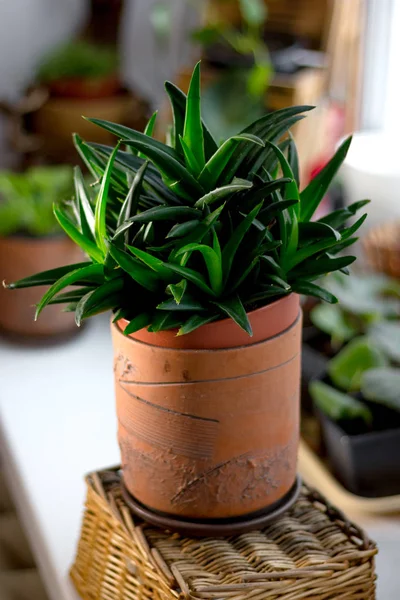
(368, 303)
(358, 406)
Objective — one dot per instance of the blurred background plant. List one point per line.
(78, 59)
(26, 200)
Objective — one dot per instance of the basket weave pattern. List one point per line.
(311, 553)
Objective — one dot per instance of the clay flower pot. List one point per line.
(87, 88)
(209, 422)
(19, 257)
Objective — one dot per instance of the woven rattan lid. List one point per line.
(312, 552)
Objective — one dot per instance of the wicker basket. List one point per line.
(313, 552)
(382, 248)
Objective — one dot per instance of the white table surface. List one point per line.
(58, 423)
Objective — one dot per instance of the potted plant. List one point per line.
(365, 301)
(30, 239)
(80, 69)
(81, 78)
(201, 251)
(358, 405)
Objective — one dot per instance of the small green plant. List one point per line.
(368, 303)
(79, 59)
(182, 234)
(26, 199)
(362, 367)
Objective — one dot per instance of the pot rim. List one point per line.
(162, 337)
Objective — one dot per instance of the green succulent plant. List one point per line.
(26, 199)
(185, 233)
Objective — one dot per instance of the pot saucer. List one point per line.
(214, 527)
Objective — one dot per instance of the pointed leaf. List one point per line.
(188, 303)
(293, 159)
(313, 194)
(213, 169)
(66, 280)
(101, 205)
(320, 266)
(230, 249)
(311, 289)
(192, 276)
(234, 308)
(130, 204)
(191, 161)
(76, 236)
(86, 216)
(237, 185)
(152, 262)
(139, 322)
(139, 273)
(193, 137)
(213, 263)
(45, 277)
(195, 322)
(177, 290)
(178, 102)
(181, 229)
(163, 320)
(97, 297)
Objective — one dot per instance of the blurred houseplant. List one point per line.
(200, 251)
(358, 404)
(30, 239)
(80, 70)
(81, 78)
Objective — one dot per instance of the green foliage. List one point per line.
(182, 235)
(26, 199)
(367, 304)
(382, 386)
(347, 368)
(337, 405)
(78, 59)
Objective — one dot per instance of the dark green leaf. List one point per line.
(130, 205)
(193, 138)
(101, 206)
(139, 322)
(237, 185)
(293, 159)
(181, 229)
(187, 303)
(46, 277)
(97, 297)
(192, 276)
(152, 262)
(217, 163)
(143, 275)
(195, 322)
(311, 289)
(320, 266)
(163, 321)
(234, 308)
(230, 249)
(86, 215)
(177, 290)
(76, 236)
(213, 263)
(80, 274)
(178, 102)
(313, 194)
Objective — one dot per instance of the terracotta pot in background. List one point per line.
(23, 256)
(89, 88)
(211, 433)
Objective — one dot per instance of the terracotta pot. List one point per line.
(22, 256)
(89, 89)
(211, 433)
